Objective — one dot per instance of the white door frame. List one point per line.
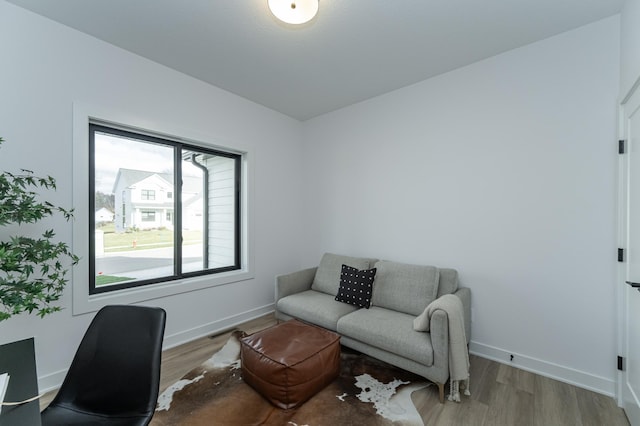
(622, 228)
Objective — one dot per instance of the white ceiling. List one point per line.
(353, 50)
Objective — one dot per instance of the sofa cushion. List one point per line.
(388, 330)
(356, 286)
(448, 281)
(327, 277)
(315, 307)
(404, 288)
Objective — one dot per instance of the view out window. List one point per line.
(194, 231)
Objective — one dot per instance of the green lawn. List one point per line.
(146, 239)
(110, 279)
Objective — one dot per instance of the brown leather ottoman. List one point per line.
(290, 362)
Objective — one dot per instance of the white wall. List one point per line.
(46, 67)
(505, 170)
(629, 45)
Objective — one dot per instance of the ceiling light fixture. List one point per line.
(294, 11)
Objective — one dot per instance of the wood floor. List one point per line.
(500, 394)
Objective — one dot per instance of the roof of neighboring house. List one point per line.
(103, 210)
(129, 177)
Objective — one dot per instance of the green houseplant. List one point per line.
(33, 271)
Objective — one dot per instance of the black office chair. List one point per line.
(114, 378)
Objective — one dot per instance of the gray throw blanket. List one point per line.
(458, 352)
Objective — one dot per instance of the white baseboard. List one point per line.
(215, 327)
(53, 381)
(561, 373)
(565, 374)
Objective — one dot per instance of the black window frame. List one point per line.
(178, 147)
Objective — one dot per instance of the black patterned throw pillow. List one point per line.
(356, 286)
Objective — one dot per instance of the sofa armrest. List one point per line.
(439, 331)
(294, 282)
(464, 294)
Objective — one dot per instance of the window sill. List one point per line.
(83, 303)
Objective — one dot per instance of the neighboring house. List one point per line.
(145, 200)
(104, 215)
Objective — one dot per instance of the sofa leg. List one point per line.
(441, 389)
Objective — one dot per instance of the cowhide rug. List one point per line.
(367, 391)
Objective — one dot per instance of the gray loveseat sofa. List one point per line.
(384, 331)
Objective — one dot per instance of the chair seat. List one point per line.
(57, 416)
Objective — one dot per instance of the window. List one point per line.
(148, 194)
(148, 216)
(194, 231)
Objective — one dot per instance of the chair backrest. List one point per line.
(116, 369)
